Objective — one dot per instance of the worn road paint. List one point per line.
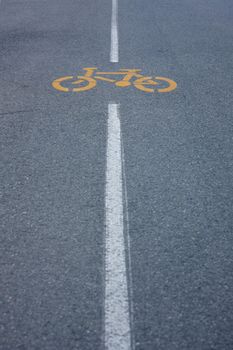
(117, 319)
(114, 53)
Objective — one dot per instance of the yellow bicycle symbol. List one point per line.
(130, 77)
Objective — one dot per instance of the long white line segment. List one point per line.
(114, 53)
(117, 316)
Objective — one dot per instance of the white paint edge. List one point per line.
(128, 246)
(114, 53)
(117, 317)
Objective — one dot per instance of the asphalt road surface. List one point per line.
(116, 202)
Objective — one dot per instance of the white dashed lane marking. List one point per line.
(114, 53)
(117, 316)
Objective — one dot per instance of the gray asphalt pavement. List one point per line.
(178, 165)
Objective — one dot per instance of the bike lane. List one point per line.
(52, 176)
(178, 161)
(57, 178)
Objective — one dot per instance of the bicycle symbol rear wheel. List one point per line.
(83, 83)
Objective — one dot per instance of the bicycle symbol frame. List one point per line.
(131, 77)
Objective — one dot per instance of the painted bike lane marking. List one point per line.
(114, 52)
(117, 334)
(128, 78)
(117, 315)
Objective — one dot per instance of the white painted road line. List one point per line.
(128, 246)
(117, 318)
(114, 54)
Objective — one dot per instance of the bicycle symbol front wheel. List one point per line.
(146, 84)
